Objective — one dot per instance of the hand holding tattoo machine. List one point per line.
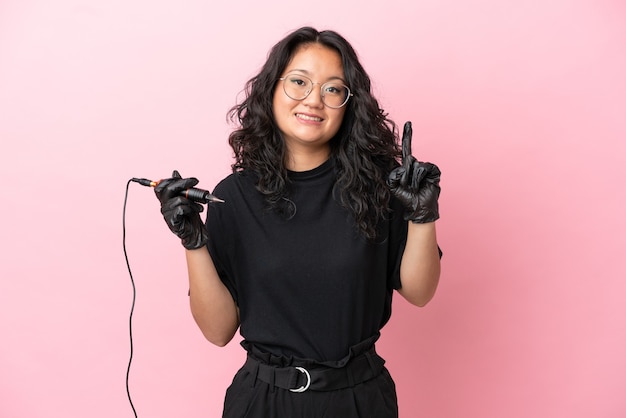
(180, 206)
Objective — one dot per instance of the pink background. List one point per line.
(521, 103)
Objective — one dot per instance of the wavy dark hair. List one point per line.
(365, 147)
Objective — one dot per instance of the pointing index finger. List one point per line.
(407, 136)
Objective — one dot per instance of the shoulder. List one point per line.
(236, 181)
(238, 190)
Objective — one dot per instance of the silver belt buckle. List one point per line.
(308, 380)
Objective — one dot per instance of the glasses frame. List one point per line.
(321, 91)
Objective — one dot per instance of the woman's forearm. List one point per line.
(420, 268)
(212, 305)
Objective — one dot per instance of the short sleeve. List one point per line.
(220, 243)
(398, 229)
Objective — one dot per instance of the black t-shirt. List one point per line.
(311, 286)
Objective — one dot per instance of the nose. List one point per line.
(314, 99)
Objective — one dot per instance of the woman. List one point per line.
(320, 223)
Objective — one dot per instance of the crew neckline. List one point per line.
(321, 169)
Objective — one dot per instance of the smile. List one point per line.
(307, 117)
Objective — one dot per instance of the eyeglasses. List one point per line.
(333, 93)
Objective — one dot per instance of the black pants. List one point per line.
(258, 392)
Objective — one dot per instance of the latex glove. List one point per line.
(415, 184)
(181, 214)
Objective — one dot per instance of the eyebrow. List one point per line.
(308, 74)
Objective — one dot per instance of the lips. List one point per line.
(308, 117)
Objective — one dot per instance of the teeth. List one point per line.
(306, 117)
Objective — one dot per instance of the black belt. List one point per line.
(318, 378)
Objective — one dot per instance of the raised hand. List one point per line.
(415, 184)
(182, 215)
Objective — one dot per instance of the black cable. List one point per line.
(132, 307)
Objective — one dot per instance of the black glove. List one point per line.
(415, 184)
(181, 214)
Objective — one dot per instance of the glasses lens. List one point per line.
(335, 94)
(297, 87)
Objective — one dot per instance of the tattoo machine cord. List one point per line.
(132, 308)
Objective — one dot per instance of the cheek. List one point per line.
(280, 104)
(338, 120)
(276, 108)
